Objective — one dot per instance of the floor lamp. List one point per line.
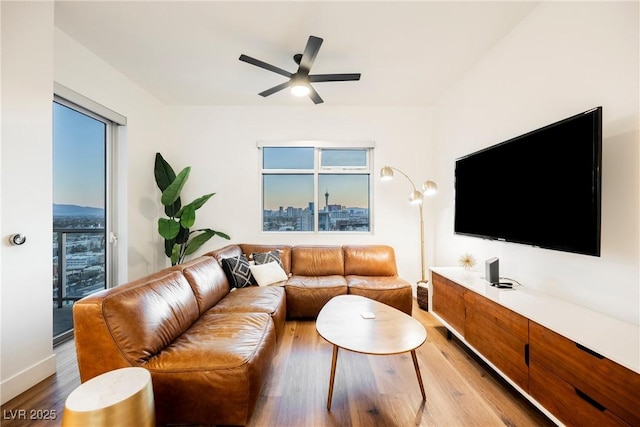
(429, 188)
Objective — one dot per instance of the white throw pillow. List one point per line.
(268, 274)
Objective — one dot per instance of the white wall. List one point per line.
(82, 71)
(220, 145)
(26, 352)
(34, 54)
(564, 58)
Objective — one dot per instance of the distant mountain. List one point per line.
(74, 210)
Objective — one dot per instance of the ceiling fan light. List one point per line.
(300, 89)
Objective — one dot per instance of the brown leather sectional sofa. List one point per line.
(208, 348)
(319, 273)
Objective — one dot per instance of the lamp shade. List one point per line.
(386, 173)
(429, 188)
(415, 198)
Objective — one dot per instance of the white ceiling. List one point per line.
(186, 52)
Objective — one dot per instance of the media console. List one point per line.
(578, 366)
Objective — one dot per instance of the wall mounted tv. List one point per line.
(542, 188)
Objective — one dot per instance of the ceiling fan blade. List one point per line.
(314, 96)
(334, 77)
(310, 53)
(274, 89)
(264, 65)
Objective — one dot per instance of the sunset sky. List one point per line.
(78, 158)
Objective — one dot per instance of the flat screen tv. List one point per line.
(542, 188)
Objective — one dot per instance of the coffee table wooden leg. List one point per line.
(415, 363)
(334, 361)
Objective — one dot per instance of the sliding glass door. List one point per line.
(80, 215)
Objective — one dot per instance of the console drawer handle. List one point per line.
(589, 400)
(588, 350)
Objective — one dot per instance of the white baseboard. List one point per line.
(27, 378)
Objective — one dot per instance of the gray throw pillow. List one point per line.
(267, 257)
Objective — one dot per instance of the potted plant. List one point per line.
(179, 239)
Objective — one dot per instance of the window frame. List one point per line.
(317, 171)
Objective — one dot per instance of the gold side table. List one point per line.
(123, 397)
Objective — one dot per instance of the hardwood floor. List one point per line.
(369, 390)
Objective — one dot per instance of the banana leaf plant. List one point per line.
(176, 230)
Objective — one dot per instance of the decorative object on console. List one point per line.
(429, 188)
(300, 81)
(179, 239)
(492, 270)
(467, 261)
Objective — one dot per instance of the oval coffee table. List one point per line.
(366, 326)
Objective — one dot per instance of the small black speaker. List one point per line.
(492, 270)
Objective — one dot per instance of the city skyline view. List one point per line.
(297, 190)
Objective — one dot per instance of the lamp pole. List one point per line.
(416, 197)
(423, 277)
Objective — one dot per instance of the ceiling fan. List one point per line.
(300, 81)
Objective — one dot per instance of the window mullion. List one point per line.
(316, 197)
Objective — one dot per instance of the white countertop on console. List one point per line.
(613, 338)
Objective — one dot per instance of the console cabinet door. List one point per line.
(448, 302)
(589, 378)
(500, 334)
(562, 400)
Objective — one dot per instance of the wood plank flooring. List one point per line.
(369, 390)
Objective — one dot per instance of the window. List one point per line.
(316, 187)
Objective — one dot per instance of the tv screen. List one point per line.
(542, 188)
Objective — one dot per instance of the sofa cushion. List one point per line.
(214, 371)
(254, 299)
(238, 272)
(145, 319)
(228, 251)
(369, 260)
(317, 261)
(251, 300)
(390, 290)
(306, 295)
(207, 279)
(215, 341)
